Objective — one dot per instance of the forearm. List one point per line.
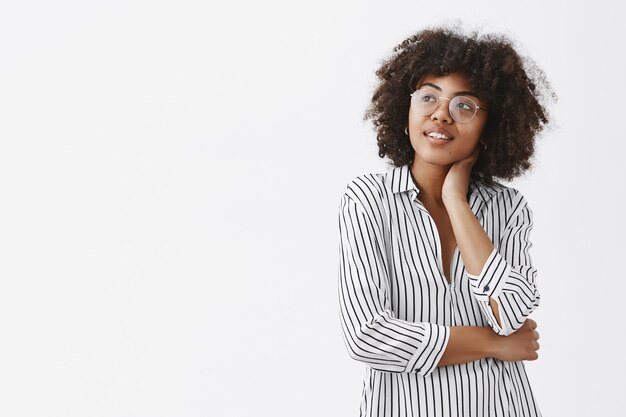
(467, 344)
(472, 240)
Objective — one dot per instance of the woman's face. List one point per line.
(464, 137)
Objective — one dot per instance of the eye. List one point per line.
(428, 98)
(465, 105)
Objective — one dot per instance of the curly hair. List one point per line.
(513, 86)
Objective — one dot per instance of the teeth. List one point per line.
(438, 136)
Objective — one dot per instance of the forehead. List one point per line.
(450, 83)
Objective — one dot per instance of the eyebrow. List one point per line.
(458, 93)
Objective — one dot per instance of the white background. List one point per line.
(170, 177)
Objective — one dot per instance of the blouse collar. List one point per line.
(400, 180)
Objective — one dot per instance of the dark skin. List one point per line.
(442, 172)
(471, 343)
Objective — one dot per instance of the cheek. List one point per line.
(480, 127)
(473, 133)
(414, 119)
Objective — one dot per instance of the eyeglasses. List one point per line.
(461, 108)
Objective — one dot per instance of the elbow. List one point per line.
(374, 359)
(363, 348)
(358, 348)
(514, 322)
(352, 352)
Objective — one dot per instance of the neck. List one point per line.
(429, 178)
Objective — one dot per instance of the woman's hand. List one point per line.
(457, 180)
(521, 345)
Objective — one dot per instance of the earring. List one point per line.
(406, 131)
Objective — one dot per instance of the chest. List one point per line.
(447, 240)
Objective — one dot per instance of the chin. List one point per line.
(436, 158)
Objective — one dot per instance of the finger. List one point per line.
(536, 335)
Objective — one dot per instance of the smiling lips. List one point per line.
(439, 134)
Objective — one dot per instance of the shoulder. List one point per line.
(502, 198)
(367, 195)
(365, 188)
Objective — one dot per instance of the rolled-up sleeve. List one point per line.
(371, 331)
(508, 275)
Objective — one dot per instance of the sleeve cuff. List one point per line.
(427, 356)
(492, 278)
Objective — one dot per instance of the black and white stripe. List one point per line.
(396, 305)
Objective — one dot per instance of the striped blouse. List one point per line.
(396, 305)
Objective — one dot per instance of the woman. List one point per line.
(435, 278)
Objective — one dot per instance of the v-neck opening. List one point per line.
(438, 249)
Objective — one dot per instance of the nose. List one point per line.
(442, 112)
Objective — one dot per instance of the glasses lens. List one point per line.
(424, 102)
(462, 109)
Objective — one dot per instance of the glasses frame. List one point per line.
(450, 110)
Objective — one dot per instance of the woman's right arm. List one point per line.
(471, 343)
(371, 332)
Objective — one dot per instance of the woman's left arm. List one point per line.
(503, 280)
